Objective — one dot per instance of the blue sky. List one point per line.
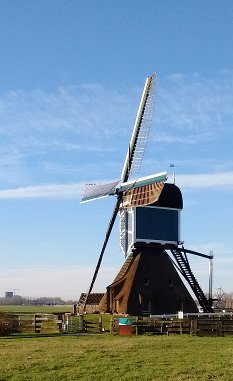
(72, 73)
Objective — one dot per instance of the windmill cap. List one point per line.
(170, 197)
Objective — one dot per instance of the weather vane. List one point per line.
(173, 175)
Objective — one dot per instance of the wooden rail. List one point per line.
(201, 326)
(70, 323)
(40, 323)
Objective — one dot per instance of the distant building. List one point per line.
(92, 304)
(9, 294)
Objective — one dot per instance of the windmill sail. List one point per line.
(95, 191)
(133, 161)
(141, 130)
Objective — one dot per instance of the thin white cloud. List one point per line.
(67, 282)
(191, 139)
(196, 104)
(206, 180)
(40, 127)
(222, 180)
(78, 110)
(57, 191)
(65, 126)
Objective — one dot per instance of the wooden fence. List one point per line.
(39, 323)
(52, 323)
(73, 324)
(201, 326)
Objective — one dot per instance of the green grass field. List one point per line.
(111, 357)
(35, 309)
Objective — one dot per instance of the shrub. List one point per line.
(8, 324)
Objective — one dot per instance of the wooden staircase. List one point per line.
(184, 267)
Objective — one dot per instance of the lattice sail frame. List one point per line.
(96, 191)
(144, 130)
(141, 130)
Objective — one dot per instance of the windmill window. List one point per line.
(146, 305)
(170, 283)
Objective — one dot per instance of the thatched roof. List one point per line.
(92, 298)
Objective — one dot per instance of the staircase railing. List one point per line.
(184, 267)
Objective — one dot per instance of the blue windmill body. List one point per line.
(157, 223)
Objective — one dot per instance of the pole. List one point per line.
(173, 174)
(211, 277)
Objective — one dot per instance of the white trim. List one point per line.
(157, 207)
(156, 241)
(136, 183)
(179, 225)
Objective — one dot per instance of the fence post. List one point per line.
(219, 327)
(136, 326)
(101, 323)
(36, 322)
(112, 325)
(81, 322)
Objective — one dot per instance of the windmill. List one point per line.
(149, 209)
